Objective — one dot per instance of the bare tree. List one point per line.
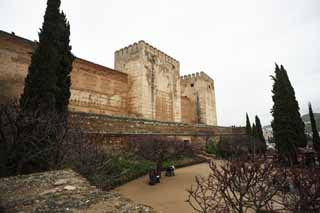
(157, 148)
(237, 186)
(302, 190)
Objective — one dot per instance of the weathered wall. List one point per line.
(154, 84)
(188, 110)
(113, 125)
(199, 89)
(94, 88)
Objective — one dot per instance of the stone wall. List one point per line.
(60, 191)
(94, 88)
(113, 125)
(199, 89)
(154, 83)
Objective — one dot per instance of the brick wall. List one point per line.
(95, 88)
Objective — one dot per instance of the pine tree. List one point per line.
(259, 130)
(315, 133)
(248, 125)
(287, 125)
(47, 85)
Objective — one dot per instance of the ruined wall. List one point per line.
(199, 89)
(154, 84)
(94, 88)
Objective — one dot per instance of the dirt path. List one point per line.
(170, 194)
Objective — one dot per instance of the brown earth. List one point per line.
(167, 196)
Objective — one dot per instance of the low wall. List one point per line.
(131, 126)
(114, 132)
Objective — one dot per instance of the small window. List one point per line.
(209, 87)
(191, 85)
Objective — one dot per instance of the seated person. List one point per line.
(170, 171)
(152, 177)
(158, 175)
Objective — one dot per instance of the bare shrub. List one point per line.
(301, 191)
(30, 142)
(237, 186)
(237, 145)
(36, 142)
(158, 148)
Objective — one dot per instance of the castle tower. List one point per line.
(154, 82)
(198, 99)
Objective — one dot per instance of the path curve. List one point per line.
(169, 195)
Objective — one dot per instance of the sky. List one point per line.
(236, 42)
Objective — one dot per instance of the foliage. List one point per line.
(287, 125)
(315, 133)
(47, 85)
(254, 132)
(248, 125)
(237, 145)
(259, 130)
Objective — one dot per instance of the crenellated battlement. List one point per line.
(197, 75)
(133, 48)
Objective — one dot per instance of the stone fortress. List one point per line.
(145, 83)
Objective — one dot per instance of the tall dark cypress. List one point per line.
(287, 125)
(65, 67)
(296, 121)
(254, 131)
(40, 83)
(259, 129)
(248, 125)
(315, 133)
(47, 85)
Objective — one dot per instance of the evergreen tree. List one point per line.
(259, 130)
(254, 132)
(287, 125)
(64, 70)
(248, 125)
(315, 133)
(47, 85)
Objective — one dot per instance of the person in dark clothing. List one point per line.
(152, 177)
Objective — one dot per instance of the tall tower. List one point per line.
(154, 82)
(198, 96)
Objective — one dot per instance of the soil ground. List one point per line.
(169, 195)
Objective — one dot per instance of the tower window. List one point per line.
(209, 87)
(191, 85)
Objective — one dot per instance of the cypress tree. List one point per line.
(315, 133)
(293, 107)
(254, 131)
(259, 130)
(248, 125)
(287, 125)
(47, 85)
(65, 67)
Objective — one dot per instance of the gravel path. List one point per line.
(167, 196)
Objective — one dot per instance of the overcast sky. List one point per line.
(235, 42)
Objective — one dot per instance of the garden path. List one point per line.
(169, 195)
